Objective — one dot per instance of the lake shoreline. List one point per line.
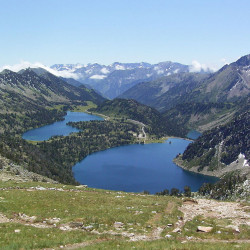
(168, 140)
(205, 172)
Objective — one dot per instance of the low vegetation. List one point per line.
(62, 216)
(231, 187)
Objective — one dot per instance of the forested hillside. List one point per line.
(130, 109)
(223, 148)
(29, 100)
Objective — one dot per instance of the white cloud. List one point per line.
(25, 65)
(212, 67)
(197, 67)
(98, 77)
(224, 61)
(105, 71)
(119, 67)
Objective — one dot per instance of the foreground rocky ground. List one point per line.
(37, 215)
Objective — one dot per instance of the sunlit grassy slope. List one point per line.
(41, 215)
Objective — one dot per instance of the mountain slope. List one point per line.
(43, 89)
(200, 116)
(231, 83)
(222, 149)
(25, 98)
(166, 92)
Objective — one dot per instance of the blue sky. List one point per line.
(85, 31)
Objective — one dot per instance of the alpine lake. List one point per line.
(131, 168)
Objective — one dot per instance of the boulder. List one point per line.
(204, 229)
(118, 224)
(88, 228)
(176, 230)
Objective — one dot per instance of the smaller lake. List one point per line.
(135, 168)
(193, 134)
(59, 128)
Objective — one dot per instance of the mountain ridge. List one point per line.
(230, 83)
(111, 80)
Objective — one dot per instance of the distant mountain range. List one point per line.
(112, 80)
(229, 84)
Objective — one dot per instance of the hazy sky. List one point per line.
(104, 31)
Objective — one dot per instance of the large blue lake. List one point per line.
(132, 168)
(135, 168)
(59, 128)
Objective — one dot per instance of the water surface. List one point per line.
(135, 168)
(193, 134)
(59, 128)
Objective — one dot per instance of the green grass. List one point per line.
(100, 209)
(81, 108)
(190, 229)
(33, 238)
(58, 107)
(166, 244)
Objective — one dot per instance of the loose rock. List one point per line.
(118, 224)
(204, 229)
(168, 236)
(176, 230)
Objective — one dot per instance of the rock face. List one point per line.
(204, 229)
